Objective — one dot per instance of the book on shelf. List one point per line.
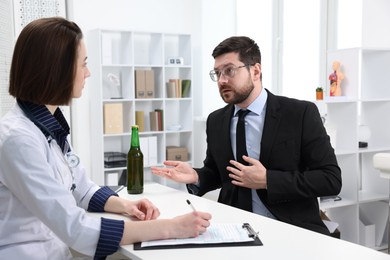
(153, 117)
(139, 120)
(156, 120)
(160, 122)
(185, 88)
(178, 88)
(152, 150)
(149, 150)
(144, 145)
(171, 89)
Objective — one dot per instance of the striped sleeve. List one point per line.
(98, 200)
(110, 236)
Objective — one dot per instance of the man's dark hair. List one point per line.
(248, 50)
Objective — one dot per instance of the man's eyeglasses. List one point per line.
(228, 71)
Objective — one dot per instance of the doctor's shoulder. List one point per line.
(17, 129)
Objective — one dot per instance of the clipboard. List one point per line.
(250, 232)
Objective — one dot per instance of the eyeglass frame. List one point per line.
(213, 73)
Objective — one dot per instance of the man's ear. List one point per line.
(256, 71)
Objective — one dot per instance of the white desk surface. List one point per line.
(280, 240)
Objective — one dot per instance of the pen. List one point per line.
(192, 206)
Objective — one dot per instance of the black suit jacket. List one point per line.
(295, 150)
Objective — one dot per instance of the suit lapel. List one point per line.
(271, 124)
(225, 135)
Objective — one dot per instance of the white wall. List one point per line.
(375, 23)
(218, 19)
(209, 22)
(363, 23)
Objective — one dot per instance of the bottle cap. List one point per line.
(134, 126)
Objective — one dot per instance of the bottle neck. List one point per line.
(134, 138)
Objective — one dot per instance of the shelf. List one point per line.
(378, 149)
(114, 169)
(340, 99)
(345, 151)
(119, 59)
(366, 196)
(375, 100)
(362, 114)
(337, 204)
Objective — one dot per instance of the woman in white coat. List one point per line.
(44, 190)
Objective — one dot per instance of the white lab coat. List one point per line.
(40, 218)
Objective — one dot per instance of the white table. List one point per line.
(280, 240)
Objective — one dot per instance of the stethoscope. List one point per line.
(72, 159)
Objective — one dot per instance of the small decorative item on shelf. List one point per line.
(319, 93)
(114, 84)
(335, 79)
(176, 60)
(364, 135)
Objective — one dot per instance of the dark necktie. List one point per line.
(243, 195)
(240, 136)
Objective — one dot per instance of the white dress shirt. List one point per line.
(254, 123)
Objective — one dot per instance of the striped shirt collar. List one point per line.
(54, 126)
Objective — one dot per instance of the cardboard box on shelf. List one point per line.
(113, 118)
(149, 83)
(176, 153)
(144, 83)
(140, 84)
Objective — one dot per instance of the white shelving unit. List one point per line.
(121, 53)
(363, 211)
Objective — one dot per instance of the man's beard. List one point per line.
(235, 97)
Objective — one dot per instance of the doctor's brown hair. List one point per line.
(43, 65)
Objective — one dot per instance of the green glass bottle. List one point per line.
(135, 164)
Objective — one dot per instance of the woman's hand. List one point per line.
(191, 224)
(141, 209)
